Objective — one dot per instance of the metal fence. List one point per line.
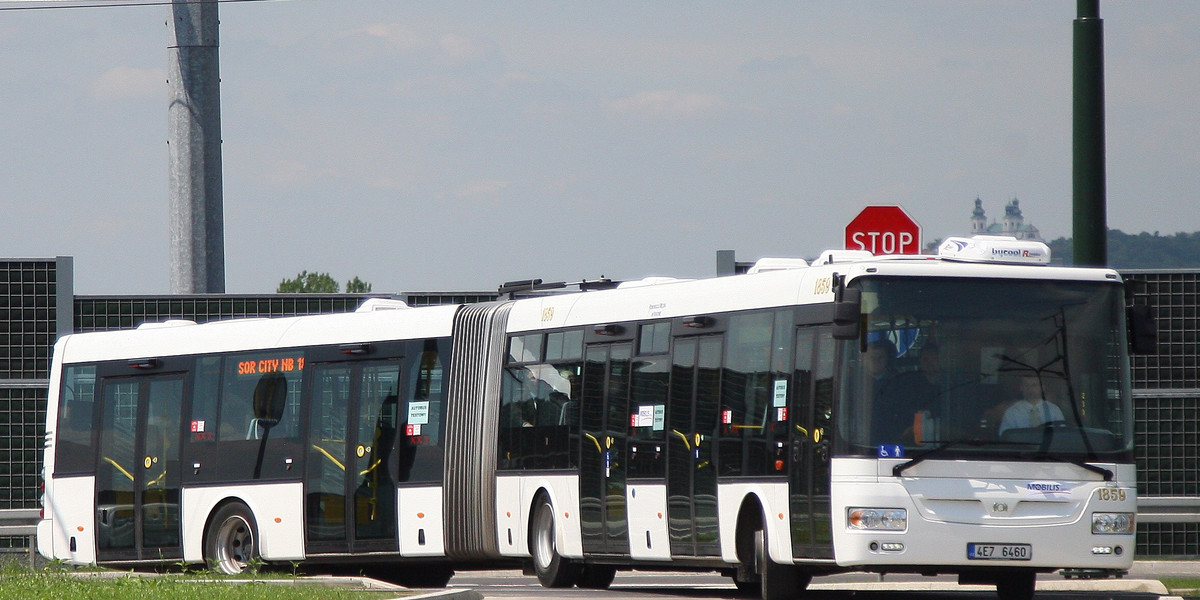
(37, 303)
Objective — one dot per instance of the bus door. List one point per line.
(691, 475)
(350, 485)
(604, 426)
(808, 472)
(137, 475)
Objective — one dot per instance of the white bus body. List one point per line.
(735, 424)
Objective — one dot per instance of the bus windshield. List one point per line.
(988, 368)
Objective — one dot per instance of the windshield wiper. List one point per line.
(1079, 462)
(922, 457)
(1044, 453)
(899, 469)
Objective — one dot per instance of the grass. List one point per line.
(1182, 586)
(52, 583)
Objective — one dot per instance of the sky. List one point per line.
(451, 146)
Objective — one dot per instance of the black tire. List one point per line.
(553, 570)
(230, 543)
(777, 582)
(1016, 586)
(423, 576)
(596, 577)
(749, 589)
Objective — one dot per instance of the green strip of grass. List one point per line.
(1177, 584)
(54, 584)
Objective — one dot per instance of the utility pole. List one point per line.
(194, 149)
(1090, 221)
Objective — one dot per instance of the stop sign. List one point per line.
(884, 230)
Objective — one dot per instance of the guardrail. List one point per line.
(21, 522)
(1168, 509)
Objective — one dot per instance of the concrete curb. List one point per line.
(338, 581)
(1145, 586)
(447, 595)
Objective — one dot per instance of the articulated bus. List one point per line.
(967, 413)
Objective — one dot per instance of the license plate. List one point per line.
(977, 551)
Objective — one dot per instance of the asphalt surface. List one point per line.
(1140, 582)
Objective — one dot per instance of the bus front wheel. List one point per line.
(1016, 586)
(229, 543)
(777, 582)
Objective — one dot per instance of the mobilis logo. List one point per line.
(1045, 487)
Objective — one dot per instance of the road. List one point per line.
(1138, 585)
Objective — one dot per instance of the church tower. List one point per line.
(978, 219)
(1013, 220)
(1013, 223)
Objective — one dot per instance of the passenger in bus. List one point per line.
(900, 399)
(1033, 409)
(892, 403)
(543, 404)
(922, 391)
(926, 382)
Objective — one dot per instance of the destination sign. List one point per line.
(283, 364)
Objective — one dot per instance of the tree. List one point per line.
(309, 283)
(357, 286)
(321, 283)
(1140, 251)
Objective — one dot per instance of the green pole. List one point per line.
(1090, 227)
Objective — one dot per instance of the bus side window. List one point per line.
(750, 420)
(235, 411)
(206, 393)
(239, 417)
(76, 447)
(419, 443)
(539, 412)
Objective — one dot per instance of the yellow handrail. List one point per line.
(119, 467)
(596, 442)
(330, 457)
(682, 437)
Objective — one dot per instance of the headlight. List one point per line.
(885, 519)
(1112, 523)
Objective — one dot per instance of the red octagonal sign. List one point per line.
(884, 230)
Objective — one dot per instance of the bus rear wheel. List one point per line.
(596, 577)
(424, 576)
(553, 570)
(229, 543)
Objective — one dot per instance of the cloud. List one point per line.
(398, 36)
(129, 82)
(452, 47)
(462, 49)
(482, 187)
(286, 173)
(781, 65)
(666, 103)
(840, 109)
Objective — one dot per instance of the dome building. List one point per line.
(1013, 223)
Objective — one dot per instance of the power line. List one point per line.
(74, 4)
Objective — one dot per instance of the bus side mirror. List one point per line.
(1143, 331)
(847, 314)
(270, 396)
